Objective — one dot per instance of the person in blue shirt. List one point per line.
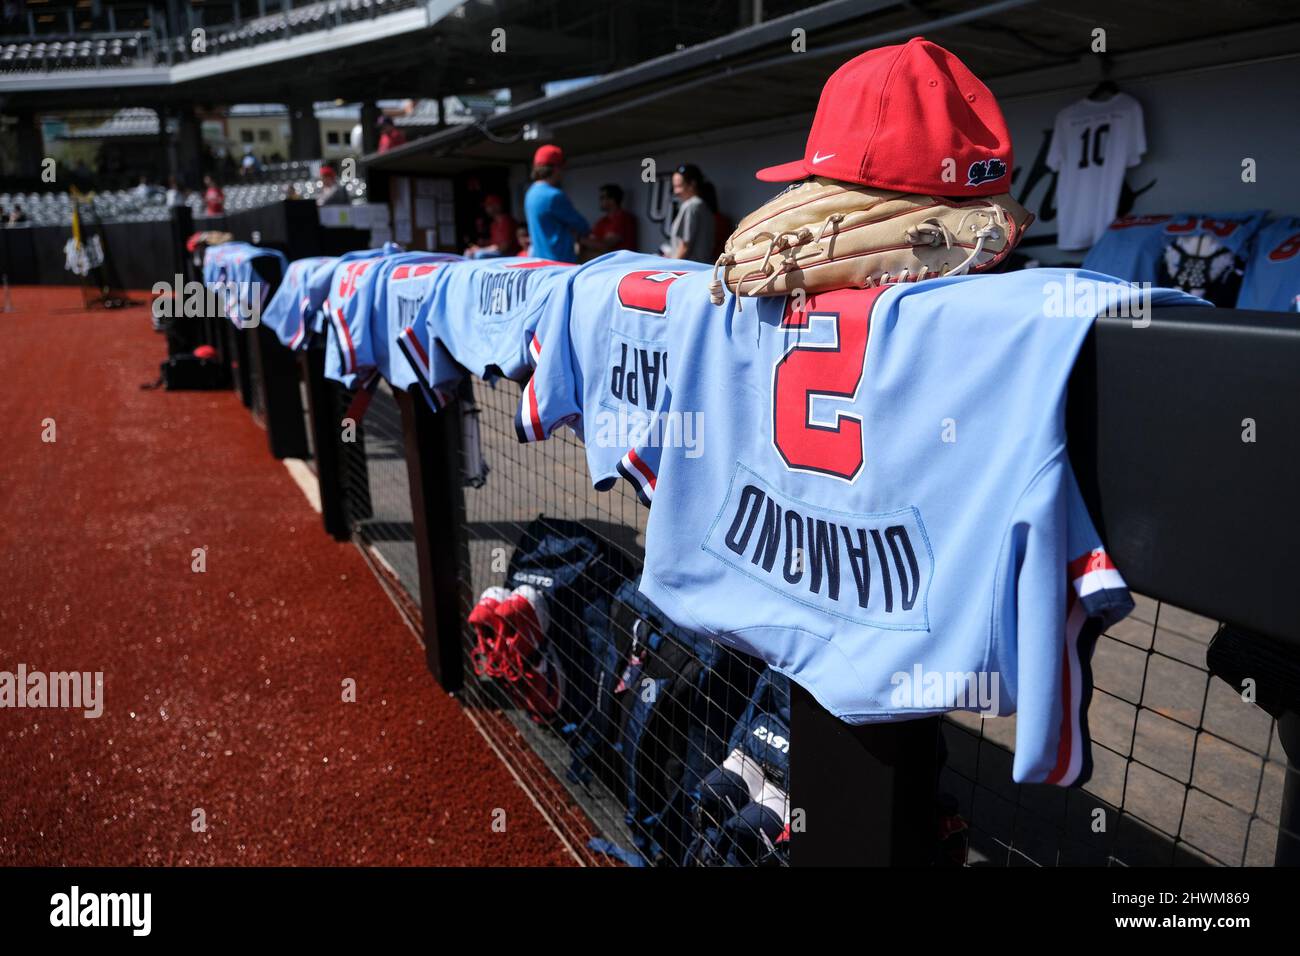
(553, 224)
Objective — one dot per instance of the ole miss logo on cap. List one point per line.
(910, 118)
(985, 171)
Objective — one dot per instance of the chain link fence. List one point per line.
(1186, 772)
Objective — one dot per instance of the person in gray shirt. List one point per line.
(691, 234)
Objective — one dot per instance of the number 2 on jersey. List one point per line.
(827, 365)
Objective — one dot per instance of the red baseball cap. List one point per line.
(911, 118)
(548, 155)
(327, 171)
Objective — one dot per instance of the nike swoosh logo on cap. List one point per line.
(819, 158)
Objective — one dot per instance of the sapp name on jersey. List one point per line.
(870, 568)
(637, 373)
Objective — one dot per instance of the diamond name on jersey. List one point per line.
(871, 568)
(501, 292)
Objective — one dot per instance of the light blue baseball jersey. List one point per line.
(322, 281)
(247, 273)
(317, 286)
(603, 371)
(287, 313)
(884, 509)
(399, 325)
(1272, 278)
(481, 319)
(213, 259)
(355, 291)
(349, 349)
(1201, 253)
(257, 271)
(218, 266)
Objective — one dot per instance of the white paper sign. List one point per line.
(426, 212)
(401, 192)
(338, 217)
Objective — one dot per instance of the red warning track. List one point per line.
(222, 690)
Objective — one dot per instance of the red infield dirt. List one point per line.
(222, 690)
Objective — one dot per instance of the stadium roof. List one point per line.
(753, 76)
(388, 49)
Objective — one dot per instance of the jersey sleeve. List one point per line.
(318, 285)
(335, 363)
(1066, 590)
(640, 467)
(340, 350)
(413, 345)
(245, 285)
(283, 314)
(639, 464)
(552, 395)
(264, 271)
(343, 345)
(349, 313)
(444, 373)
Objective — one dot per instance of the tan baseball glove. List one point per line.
(823, 234)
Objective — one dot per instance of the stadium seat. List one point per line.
(102, 51)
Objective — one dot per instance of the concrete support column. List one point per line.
(31, 145)
(189, 148)
(369, 127)
(304, 131)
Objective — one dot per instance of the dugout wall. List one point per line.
(1187, 771)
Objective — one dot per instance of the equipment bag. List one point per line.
(578, 572)
(660, 723)
(190, 372)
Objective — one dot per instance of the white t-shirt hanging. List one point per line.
(1093, 142)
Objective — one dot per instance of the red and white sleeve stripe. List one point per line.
(528, 420)
(1089, 579)
(634, 468)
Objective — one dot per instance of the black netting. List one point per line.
(1185, 771)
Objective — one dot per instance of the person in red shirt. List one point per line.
(213, 198)
(501, 232)
(390, 137)
(616, 229)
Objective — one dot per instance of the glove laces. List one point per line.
(788, 240)
(986, 224)
(931, 232)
